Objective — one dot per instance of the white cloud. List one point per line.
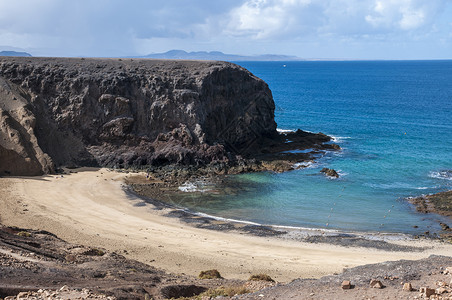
(262, 19)
(124, 27)
(404, 14)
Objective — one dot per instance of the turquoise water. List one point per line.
(393, 120)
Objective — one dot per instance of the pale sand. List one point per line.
(91, 208)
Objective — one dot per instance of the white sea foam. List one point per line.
(299, 231)
(305, 165)
(339, 139)
(225, 219)
(284, 130)
(191, 187)
(342, 173)
(188, 187)
(445, 174)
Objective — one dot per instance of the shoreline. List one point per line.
(90, 207)
(371, 240)
(155, 190)
(195, 218)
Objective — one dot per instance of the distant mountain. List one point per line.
(217, 55)
(14, 53)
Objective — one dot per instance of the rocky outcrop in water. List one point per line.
(439, 203)
(124, 113)
(330, 173)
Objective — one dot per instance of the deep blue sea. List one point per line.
(393, 120)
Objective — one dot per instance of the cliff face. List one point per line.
(113, 112)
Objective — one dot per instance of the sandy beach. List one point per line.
(90, 207)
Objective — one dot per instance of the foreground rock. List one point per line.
(133, 113)
(34, 260)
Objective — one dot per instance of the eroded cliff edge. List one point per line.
(131, 113)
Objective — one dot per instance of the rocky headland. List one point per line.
(130, 113)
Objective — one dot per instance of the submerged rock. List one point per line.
(330, 172)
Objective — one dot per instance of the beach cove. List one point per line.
(90, 207)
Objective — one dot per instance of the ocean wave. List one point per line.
(445, 174)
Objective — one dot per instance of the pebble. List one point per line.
(63, 293)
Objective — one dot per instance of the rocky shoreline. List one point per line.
(153, 191)
(439, 203)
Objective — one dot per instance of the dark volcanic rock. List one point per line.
(440, 203)
(330, 172)
(127, 113)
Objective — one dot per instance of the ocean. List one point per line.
(393, 120)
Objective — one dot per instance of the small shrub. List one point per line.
(261, 277)
(24, 234)
(229, 291)
(209, 274)
(218, 292)
(236, 290)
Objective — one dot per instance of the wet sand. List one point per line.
(91, 208)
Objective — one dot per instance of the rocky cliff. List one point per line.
(124, 112)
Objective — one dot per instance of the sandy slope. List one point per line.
(90, 208)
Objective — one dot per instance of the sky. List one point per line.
(328, 29)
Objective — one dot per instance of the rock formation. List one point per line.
(124, 112)
(330, 172)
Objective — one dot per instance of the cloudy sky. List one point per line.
(360, 29)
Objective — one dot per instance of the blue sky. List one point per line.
(348, 29)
